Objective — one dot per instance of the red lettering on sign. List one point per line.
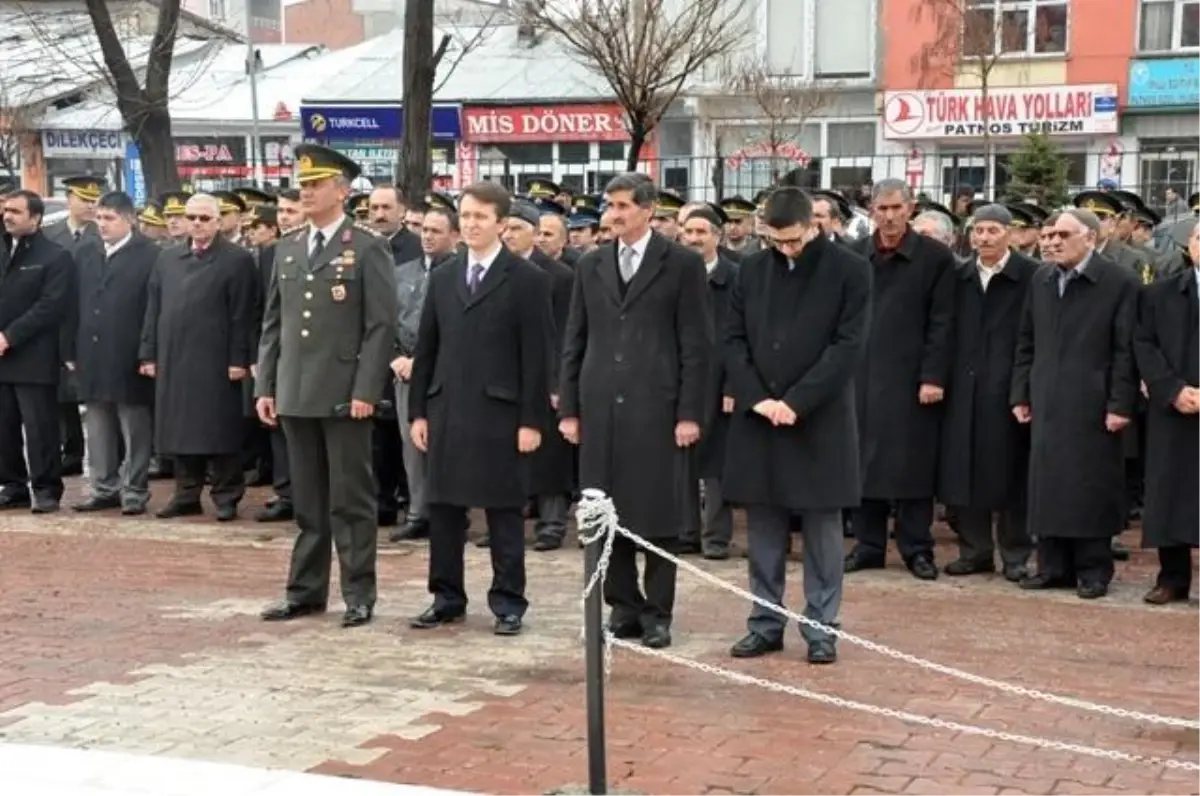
(545, 124)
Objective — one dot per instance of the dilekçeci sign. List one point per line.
(963, 113)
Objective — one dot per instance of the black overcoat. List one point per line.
(797, 335)
(552, 466)
(912, 318)
(634, 366)
(1168, 356)
(711, 453)
(985, 451)
(60, 232)
(479, 375)
(37, 285)
(113, 295)
(199, 313)
(405, 246)
(1074, 364)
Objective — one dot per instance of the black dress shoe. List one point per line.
(657, 637)
(413, 529)
(98, 504)
(821, 652)
(752, 645)
(1119, 551)
(133, 510)
(357, 615)
(507, 625)
(484, 541)
(922, 567)
(44, 506)
(284, 611)
(687, 547)
(279, 511)
(1015, 573)
(963, 566)
(1044, 581)
(1091, 590)
(544, 544)
(173, 510)
(434, 618)
(14, 501)
(625, 629)
(857, 561)
(716, 553)
(226, 513)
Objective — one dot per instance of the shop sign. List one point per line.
(544, 123)
(93, 144)
(276, 150)
(370, 154)
(1165, 83)
(358, 122)
(1006, 112)
(218, 156)
(134, 176)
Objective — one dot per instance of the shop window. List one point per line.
(674, 138)
(850, 139)
(527, 154)
(574, 152)
(1015, 27)
(849, 179)
(1166, 25)
(842, 47)
(572, 182)
(612, 150)
(785, 37)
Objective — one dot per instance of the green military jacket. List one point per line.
(1131, 258)
(329, 325)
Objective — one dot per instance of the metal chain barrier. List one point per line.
(597, 520)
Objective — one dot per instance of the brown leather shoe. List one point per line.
(1161, 595)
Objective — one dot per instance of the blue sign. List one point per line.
(134, 177)
(383, 121)
(1164, 83)
(1105, 104)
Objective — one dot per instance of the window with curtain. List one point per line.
(843, 47)
(1015, 27)
(850, 139)
(785, 37)
(1166, 25)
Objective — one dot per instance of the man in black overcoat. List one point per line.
(196, 340)
(635, 382)
(552, 466)
(114, 281)
(702, 231)
(37, 282)
(1074, 381)
(1168, 357)
(901, 383)
(478, 401)
(984, 461)
(798, 325)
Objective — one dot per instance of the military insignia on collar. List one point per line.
(347, 235)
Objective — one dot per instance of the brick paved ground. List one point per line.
(142, 636)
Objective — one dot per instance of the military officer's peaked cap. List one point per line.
(549, 207)
(86, 188)
(1038, 213)
(586, 202)
(359, 204)
(1102, 203)
(542, 189)
(230, 202)
(583, 218)
(1128, 199)
(668, 204)
(152, 214)
(760, 198)
(175, 203)
(927, 206)
(264, 214)
(737, 207)
(840, 203)
(315, 162)
(442, 200)
(1021, 217)
(1146, 215)
(253, 197)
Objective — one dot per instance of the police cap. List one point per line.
(583, 218)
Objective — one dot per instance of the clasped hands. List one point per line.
(779, 413)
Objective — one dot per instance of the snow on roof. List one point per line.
(47, 54)
(500, 68)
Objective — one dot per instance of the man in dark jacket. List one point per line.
(797, 330)
(196, 346)
(985, 452)
(1074, 381)
(479, 400)
(901, 383)
(635, 380)
(114, 278)
(37, 278)
(1168, 357)
(701, 231)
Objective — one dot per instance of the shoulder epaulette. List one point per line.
(299, 232)
(367, 228)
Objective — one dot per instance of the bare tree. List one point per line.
(14, 127)
(646, 50)
(784, 103)
(415, 167)
(967, 40)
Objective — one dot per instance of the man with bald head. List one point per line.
(1075, 385)
(197, 346)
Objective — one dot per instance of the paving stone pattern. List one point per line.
(141, 635)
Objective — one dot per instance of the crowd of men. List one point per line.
(1033, 371)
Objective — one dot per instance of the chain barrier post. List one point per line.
(593, 628)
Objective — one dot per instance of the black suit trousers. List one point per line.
(33, 407)
(447, 571)
(624, 595)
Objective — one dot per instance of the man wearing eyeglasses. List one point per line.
(196, 345)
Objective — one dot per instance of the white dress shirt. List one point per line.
(486, 261)
(112, 248)
(986, 273)
(330, 232)
(710, 267)
(639, 250)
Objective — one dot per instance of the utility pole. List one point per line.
(252, 63)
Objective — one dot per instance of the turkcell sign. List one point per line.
(378, 122)
(94, 144)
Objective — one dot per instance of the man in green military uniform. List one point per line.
(1109, 209)
(327, 337)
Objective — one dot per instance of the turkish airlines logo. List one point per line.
(904, 114)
